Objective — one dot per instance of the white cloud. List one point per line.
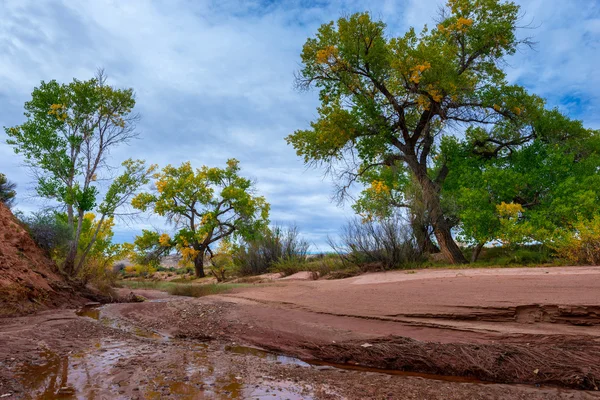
(214, 79)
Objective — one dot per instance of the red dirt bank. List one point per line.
(29, 280)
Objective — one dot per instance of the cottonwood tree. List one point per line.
(206, 205)
(388, 101)
(66, 139)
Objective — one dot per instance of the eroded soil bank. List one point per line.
(467, 328)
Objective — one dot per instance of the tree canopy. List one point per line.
(389, 105)
(68, 133)
(206, 205)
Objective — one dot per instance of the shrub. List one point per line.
(144, 270)
(275, 245)
(387, 244)
(288, 266)
(96, 273)
(582, 244)
(50, 232)
(7, 191)
(130, 270)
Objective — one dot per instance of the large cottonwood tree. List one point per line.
(388, 101)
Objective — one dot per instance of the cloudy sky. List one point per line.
(214, 80)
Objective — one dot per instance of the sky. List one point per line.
(214, 79)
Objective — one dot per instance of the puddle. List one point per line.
(197, 376)
(277, 358)
(148, 334)
(195, 372)
(72, 376)
(90, 312)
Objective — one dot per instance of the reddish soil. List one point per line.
(29, 280)
(538, 327)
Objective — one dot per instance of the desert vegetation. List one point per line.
(445, 162)
(444, 149)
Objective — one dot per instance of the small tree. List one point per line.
(206, 205)
(70, 130)
(7, 191)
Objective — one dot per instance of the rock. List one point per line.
(134, 298)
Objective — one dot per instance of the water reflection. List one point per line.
(196, 375)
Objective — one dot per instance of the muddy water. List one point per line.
(106, 368)
(90, 312)
(90, 375)
(71, 376)
(109, 365)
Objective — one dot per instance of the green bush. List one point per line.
(7, 191)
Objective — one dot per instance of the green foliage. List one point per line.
(7, 191)
(68, 132)
(206, 205)
(551, 182)
(147, 249)
(62, 121)
(222, 261)
(394, 104)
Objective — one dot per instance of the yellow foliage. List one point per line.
(161, 185)
(463, 23)
(417, 71)
(497, 107)
(423, 102)
(582, 245)
(435, 95)
(164, 240)
(143, 270)
(379, 187)
(461, 26)
(324, 56)
(59, 110)
(188, 253)
(509, 210)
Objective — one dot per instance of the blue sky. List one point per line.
(215, 79)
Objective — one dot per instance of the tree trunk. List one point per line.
(199, 265)
(442, 229)
(69, 263)
(422, 235)
(477, 251)
(448, 246)
(81, 261)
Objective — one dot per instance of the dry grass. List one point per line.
(571, 363)
(183, 289)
